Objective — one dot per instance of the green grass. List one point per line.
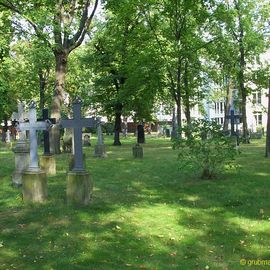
(145, 214)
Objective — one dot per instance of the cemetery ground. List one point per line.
(145, 214)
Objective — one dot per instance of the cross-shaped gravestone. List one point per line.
(233, 117)
(20, 117)
(33, 126)
(46, 135)
(77, 123)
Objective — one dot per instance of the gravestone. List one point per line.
(47, 160)
(79, 184)
(100, 151)
(21, 149)
(86, 140)
(140, 134)
(137, 151)
(8, 140)
(34, 180)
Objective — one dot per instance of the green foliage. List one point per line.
(205, 149)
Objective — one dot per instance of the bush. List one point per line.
(205, 149)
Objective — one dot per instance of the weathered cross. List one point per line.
(46, 135)
(232, 118)
(33, 126)
(20, 117)
(77, 123)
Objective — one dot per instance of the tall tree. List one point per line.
(177, 26)
(124, 67)
(242, 21)
(62, 25)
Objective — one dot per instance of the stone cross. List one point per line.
(46, 135)
(33, 126)
(77, 123)
(20, 117)
(232, 118)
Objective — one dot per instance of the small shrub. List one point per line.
(205, 149)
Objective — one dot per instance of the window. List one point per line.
(258, 118)
(257, 98)
(221, 120)
(221, 107)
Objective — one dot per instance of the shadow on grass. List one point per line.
(144, 215)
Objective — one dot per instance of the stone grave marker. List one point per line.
(86, 140)
(34, 180)
(137, 151)
(140, 134)
(100, 151)
(21, 149)
(47, 160)
(79, 185)
(8, 139)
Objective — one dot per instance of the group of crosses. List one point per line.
(33, 179)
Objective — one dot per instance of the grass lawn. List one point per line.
(145, 214)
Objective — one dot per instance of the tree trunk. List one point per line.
(241, 76)
(42, 84)
(267, 144)
(117, 124)
(187, 95)
(227, 108)
(58, 98)
(179, 96)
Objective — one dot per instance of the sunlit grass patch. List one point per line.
(145, 214)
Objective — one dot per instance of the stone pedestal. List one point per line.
(100, 151)
(34, 186)
(21, 151)
(47, 164)
(79, 187)
(137, 151)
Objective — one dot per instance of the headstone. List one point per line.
(34, 180)
(140, 135)
(21, 149)
(47, 160)
(8, 140)
(100, 151)
(137, 151)
(86, 140)
(79, 185)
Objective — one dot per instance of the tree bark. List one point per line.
(187, 95)
(58, 98)
(267, 144)
(243, 92)
(42, 84)
(179, 96)
(117, 124)
(227, 108)
(241, 75)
